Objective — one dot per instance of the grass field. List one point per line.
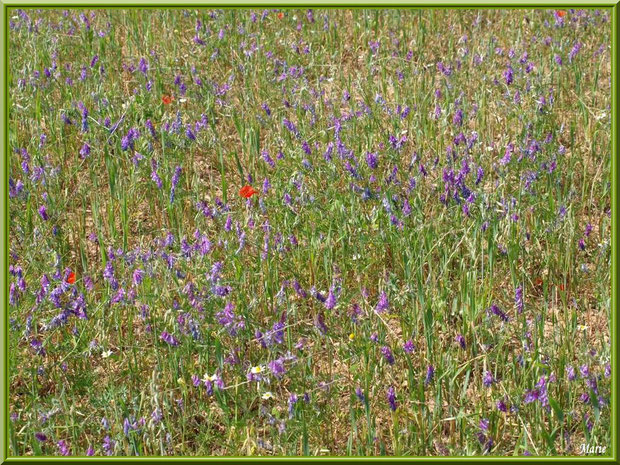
(309, 232)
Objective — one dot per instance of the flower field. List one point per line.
(309, 232)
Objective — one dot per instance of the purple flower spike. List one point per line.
(169, 339)
(391, 397)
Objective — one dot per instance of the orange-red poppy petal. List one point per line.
(247, 192)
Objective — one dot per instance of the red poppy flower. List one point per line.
(280, 15)
(167, 99)
(71, 278)
(562, 287)
(247, 192)
(561, 13)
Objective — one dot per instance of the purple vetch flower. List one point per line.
(539, 393)
(37, 345)
(320, 324)
(299, 290)
(266, 186)
(391, 398)
(519, 299)
(387, 354)
(292, 400)
(157, 415)
(574, 51)
(383, 303)
(487, 379)
(409, 347)
(374, 46)
(306, 148)
(85, 150)
(570, 373)
(267, 158)
(501, 406)
(460, 341)
(497, 311)
(108, 445)
(484, 425)
(507, 154)
(229, 320)
(508, 75)
(143, 66)
(175, 181)
(277, 331)
(457, 119)
(592, 384)
(355, 312)
(25, 167)
(118, 297)
(43, 213)
(406, 208)
(40, 437)
(290, 126)
(155, 177)
(84, 112)
(437, 111)
(277, 367)
(371, 160)
(138, 275)
(63, 447)
(169, 339)
(531, 396)
(330, 302)
(430, 373)
(150, 127)
(13, 295)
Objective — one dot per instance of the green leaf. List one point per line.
(556, 408)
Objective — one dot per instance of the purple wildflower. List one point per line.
(169, 339)
(409, 347)
(371, 160)
(488, 380)
(63, 447)
(430, 373)
(43, 213)
(387, 354)
(330, 302)
(519, 299)
(391, 397)
(383, 303)
(229, 320)
(497, 311)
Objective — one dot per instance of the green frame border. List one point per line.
(325, 4)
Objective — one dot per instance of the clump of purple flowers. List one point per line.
(229, 320)
(169, 339)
